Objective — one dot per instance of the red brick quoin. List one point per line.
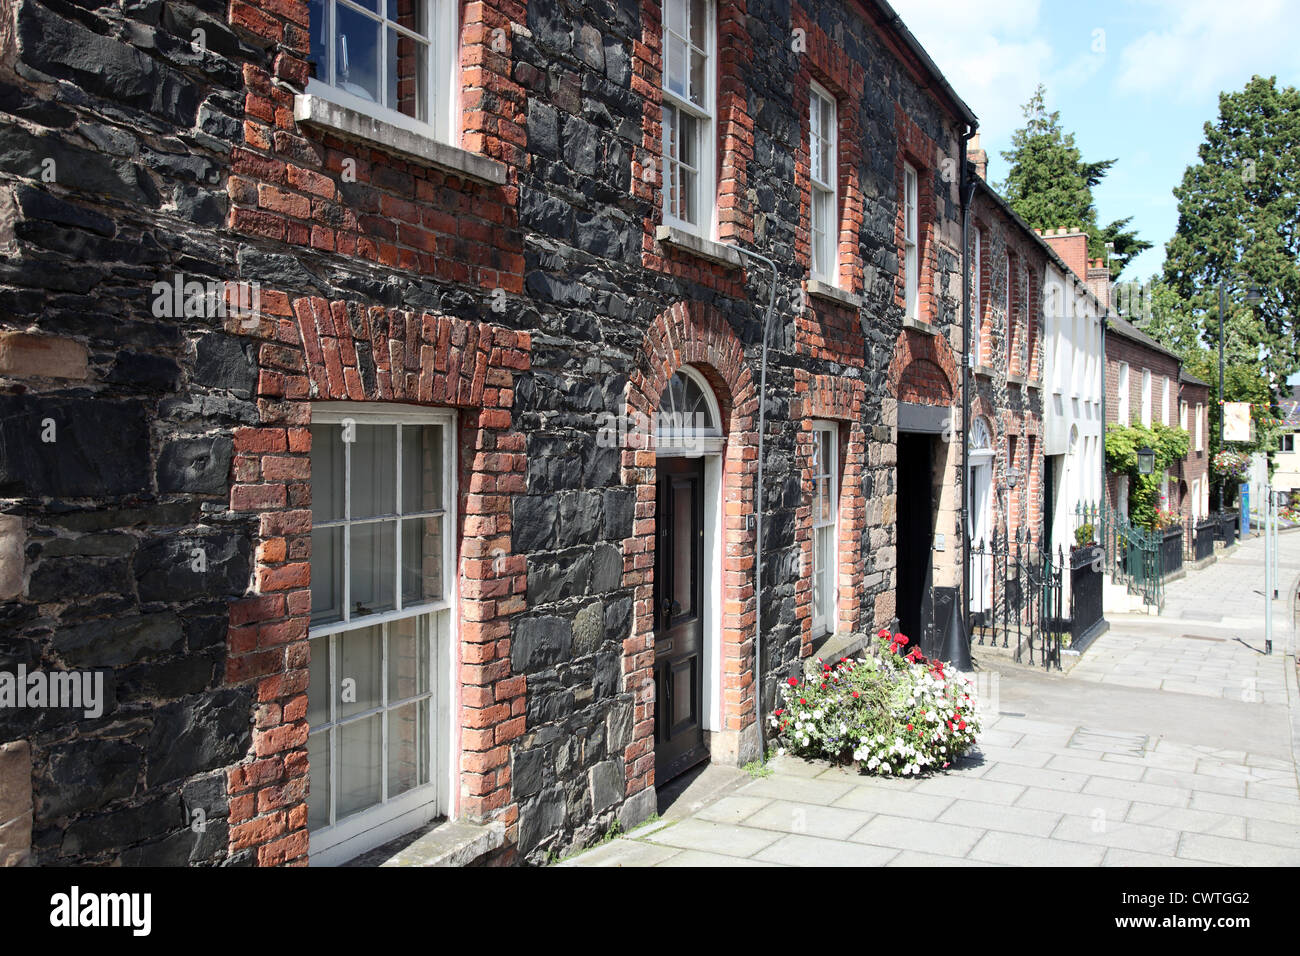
(692, 334)
(309, 352)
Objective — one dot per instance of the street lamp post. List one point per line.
(1253, 296)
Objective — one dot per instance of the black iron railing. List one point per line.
(1198, 537)
(1016, 599)
(1086, 579)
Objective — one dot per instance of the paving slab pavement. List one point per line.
(1170, 743)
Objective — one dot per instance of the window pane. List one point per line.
(407, 76)
(408, 748)
(357, 48)
(699, 79)
(318, 793)
(374, 462)
(408, 657)
(828, 158)
(326, 575)
(700, 23)
(318, 689)
(688, 140)
(318, 59)
(360, 755)
(675, 76)
(410, 14)
(357, 683)
(327, 450)
(421, 468)
(373, 573)
(824, 494)
(422, 543)
(675, 11)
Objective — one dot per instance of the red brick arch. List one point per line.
(922, 369)
(692, 334)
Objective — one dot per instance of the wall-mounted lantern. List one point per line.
(1146, 460)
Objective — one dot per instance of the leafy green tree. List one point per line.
(1239, 222)
(1050, 184)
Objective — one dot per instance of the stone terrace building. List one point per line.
(334, 353)
(1008, 269)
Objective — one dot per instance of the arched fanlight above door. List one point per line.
(688, 422)
(981, 439)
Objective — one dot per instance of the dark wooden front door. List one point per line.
(915, 539)
(679, 617)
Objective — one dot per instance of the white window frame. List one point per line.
(443, 69)
(1182, 415)
(1286, 442)
(825, 247)
(1146, 397)
(706, 119)
(976, 332)
(364, 830)
(1200, 427)
(1122, 394)
(1164, 401)
(911, 238)
(827, 621)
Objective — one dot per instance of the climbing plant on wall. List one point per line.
(1122, 443)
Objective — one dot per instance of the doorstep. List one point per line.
(444, 843)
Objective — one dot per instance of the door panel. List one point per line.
(679, 618)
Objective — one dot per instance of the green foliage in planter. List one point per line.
(1083, 534)
(1122, 443)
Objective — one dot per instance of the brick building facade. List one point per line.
(327, 370)
(1142, 388)
(1194, 471)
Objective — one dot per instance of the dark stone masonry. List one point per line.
(164, 458)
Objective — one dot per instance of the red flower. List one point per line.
(909, 726)
(962, 725)
(780, 712)
(883, 634)
(823, 686)
(900, 638)
(793, 682)
(855, 693)
(802, 701)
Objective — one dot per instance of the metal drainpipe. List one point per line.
(967, 194)
(758, 508)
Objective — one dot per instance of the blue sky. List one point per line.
(1134, 80)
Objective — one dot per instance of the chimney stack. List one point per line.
(1098, 281)
(1072, 246)
(978, 157)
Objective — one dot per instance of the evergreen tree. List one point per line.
(1239, 222)
(1050, 184)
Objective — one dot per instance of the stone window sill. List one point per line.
(699, 246)
(984, 371)
(1017, 380)
(445, 843)
(824, 290)
(920, 325)
(315, 111)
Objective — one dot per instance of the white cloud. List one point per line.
(1208, 45)
(993, 55)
